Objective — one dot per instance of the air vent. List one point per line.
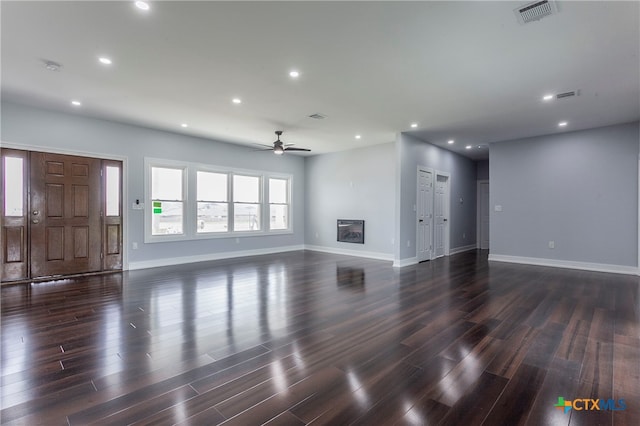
(318, 116)
(535, 11)
(570, 94)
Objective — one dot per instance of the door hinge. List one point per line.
(101, 255)
(101, 213)
(100, 172)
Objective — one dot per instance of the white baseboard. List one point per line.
(206, 257)
(462, 249)
(568, 264)
(401, 263)
(347, 252)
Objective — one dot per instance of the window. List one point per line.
(246, 203)
(113, 190)
(213, 206)
(278, 203)
(188, 201)
(13, 186)
(167, 202)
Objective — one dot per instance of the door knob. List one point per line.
(35, 221)
(420, 220)
(36, 212)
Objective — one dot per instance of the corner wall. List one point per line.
(577, 189)
(354, 184)
(411, 153)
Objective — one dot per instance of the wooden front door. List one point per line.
(61, 215)
(65, 214)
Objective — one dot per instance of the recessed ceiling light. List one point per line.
(563, 123)
(450, 141)
(414, 125)
(547, 97)
(468, 147)
(142, 5)
(294, 74)
(184, 125)
(236, 100)
(76, 103)
(104, 60)
(358, 136)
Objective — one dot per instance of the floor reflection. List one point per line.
(350, 278)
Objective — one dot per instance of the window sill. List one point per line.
(213, 236)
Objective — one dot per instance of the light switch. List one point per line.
(498, 208)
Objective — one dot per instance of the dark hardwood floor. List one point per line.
(313, 338)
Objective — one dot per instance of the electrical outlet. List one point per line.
(134, 245)
(237, 240)
(408, 243)
(317, 235)
(552, 244)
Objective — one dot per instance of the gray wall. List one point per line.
(354, 184)
(482, 170)
(412, 152)
(579, 189)
(36, 127)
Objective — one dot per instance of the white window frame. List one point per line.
(261, 201)
(150, 163)
(269, 203)
(228, 202)
(190, 197)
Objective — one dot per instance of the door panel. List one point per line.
(424, 214)
(440, 219)
(65, 214)
(112, 232)
(13, 204)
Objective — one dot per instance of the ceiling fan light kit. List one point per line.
(279, 148)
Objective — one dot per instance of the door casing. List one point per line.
(122, 263)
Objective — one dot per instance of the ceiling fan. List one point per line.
(279, 148)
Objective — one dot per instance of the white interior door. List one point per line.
(424, 213)
(440, 215)
(484, 215)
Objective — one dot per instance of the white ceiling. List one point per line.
(462, 70)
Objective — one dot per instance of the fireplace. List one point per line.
(351, 231)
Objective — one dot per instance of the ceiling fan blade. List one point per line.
(297, 149)
(265, 145)
(289, 144)
(265, 149)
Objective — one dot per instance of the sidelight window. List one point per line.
(112, 189)
(13, 186)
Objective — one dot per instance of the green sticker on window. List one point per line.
(157, 210)
(157, 204)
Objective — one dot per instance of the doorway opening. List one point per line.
(483, 215)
